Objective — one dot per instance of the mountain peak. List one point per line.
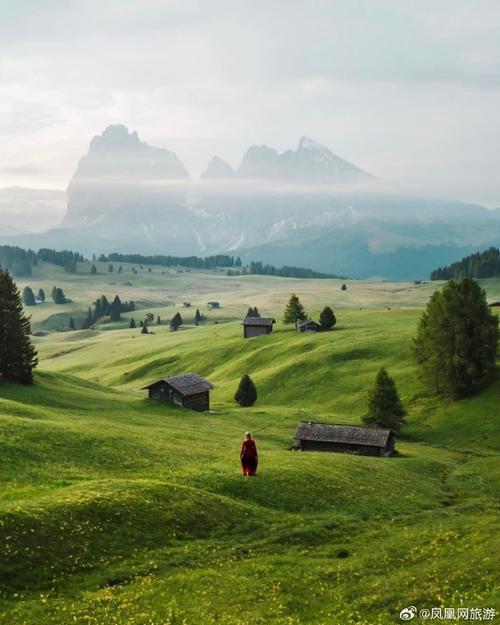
(306, 143)
(218, 168)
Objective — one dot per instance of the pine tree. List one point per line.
(72, 324)
(115, 311)
(144, 329)
(457, 339)
(158, 321)
(28, 297)
(17, 354)
(175, 322)
(237, 262)
(385, 409)
(246, 393)
(327, 318)
(93, 269)
(253, 312)
(132, 323)
(41, 295)
(294, 311)
(110, 268)
(197, 317)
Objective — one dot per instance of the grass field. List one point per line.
(117, 510)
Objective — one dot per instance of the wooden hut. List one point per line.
(257, 326)
(188, 390)
(308, 325)
(352, 439)
(212, 305)
(494, 304)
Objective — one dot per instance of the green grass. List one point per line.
(114, 509)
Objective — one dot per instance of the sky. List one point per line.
(409, 91)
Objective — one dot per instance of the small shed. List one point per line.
(494, 304)
(188, 390)
(257, 326)
(211, 305)
(308, 325)
(186, 304)
(351, 439)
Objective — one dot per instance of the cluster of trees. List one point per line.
(258, 268)
(58, 296)
(253, 312)
(17, 261)
(295, 312)
(193, 262)
(455, 350)
(480, 265)
(18, 357)
(102, 307)
(64, 258)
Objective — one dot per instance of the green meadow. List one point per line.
(117, 510)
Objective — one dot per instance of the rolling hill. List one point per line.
(123, 511)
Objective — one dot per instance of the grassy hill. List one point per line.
(116, 510)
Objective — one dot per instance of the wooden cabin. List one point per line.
(308, 325)
(257, 326)
(350, 439)
(212, 305)
(186, 304)
(188, 390)
(494, 304)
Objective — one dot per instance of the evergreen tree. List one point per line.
(41, 295)
(115, 311)
(198, 316)
(110, 268)
(120, 269)
(237, 262)
(28, 297)
(327, 318)
(72, 324)
(246, 393)
(158, 321)
(294, 311)
(175, 322)
(144, 329)
(93, 269)
(253, 312)
(58, 296)
(54, 293)
(457, 339)
(17, 354)
(132, 323)
(385, 409)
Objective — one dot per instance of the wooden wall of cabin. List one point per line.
(199, 402)
(251, 331)
(346, 448)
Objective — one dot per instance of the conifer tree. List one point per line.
(144, 328)
(246, 393)
(110, 268)
(72, 324)
(175, 322)
(41, 295)
(158, 321)
(93, 269)
(294, 311)
(327, 318)
(197, 317)
(132, 323)
(28, 297)
(457, 339)
(385, 409)
(17, 354)
(115, 310)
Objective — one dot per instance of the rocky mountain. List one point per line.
(310, 163)
(303, 207)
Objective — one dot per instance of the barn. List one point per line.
(188, 390)
(257, 326)
(212, 305)
(351, 439)
(308, 325)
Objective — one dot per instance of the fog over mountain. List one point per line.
(305, 207)
(30, 210)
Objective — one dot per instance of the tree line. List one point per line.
(479, 265)
(19, 262)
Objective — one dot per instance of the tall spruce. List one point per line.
(17, 354)
(294, 311)
(175, 322)
(197, 317)
(28, 297)
(385, 409)
(457, 339)
(327, 318)
(132, 323)
(246, 393)
(72, 324)
(144, 328)
(41, 295)
(93, 270)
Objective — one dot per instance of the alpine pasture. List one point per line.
(118, 510)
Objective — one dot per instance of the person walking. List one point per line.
(249, 456)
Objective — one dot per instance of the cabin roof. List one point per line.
(333, 433)
(258, 321)
(492, 304)
(186, 384)
(307, 322)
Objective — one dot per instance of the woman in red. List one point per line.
(248, 455)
